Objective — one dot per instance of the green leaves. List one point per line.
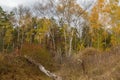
(6, 28)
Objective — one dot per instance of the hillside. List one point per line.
(97, 66)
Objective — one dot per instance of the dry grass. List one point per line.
(17, 68)
(97, 65)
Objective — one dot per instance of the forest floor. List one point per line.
(95, 65)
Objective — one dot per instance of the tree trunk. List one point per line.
(70, 44)
(45, 71)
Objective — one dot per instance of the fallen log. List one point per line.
(42, 68)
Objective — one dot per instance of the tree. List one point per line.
(71, 14)
(6, 29)
(114, 22)
(99, 22)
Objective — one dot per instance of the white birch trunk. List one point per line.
(70, 43)
(45, 71)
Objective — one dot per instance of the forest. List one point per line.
(61, 40)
